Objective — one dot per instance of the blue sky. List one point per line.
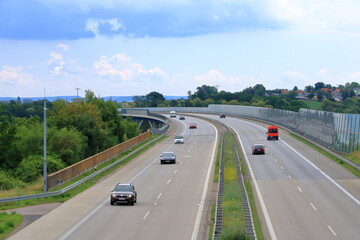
(127, 47)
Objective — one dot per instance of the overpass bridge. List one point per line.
(158, 123)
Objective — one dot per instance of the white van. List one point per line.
(173, 114)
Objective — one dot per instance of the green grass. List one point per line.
(8, 222)
(73, 192)
(313, 104)
(233, 214)
(355, 157)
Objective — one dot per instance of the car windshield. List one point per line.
(259, 146)
(123, 188)
(272, 130)
(167, 154)
(179, 137)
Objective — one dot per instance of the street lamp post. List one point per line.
(45, 165)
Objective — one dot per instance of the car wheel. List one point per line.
(161, 162)
(135, 200)
(111, 203)
(132, 203)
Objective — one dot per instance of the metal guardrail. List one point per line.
(218, 210)
(65, 189)
(339, 132)
(249, 222)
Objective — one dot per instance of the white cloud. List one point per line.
(317, 15)
(354, 76)
(63, 47)
(59, 66)
(94, 25)
(323, 71)
(123, 68)
(215, 77)
(14, 75)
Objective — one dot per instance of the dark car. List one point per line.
(192, 126)
(123, 192)
(222, 115)
(167, 157)
(181, 117)
(258, 149)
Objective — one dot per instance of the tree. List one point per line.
(154, 98)
(85, 118)
(259, 90)
(8, 156)
(140, 101)
(68, 144)
(205, 92)
(319, 85)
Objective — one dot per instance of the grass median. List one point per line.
(233, 214)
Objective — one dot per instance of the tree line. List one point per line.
(75, 130)
(259, 96)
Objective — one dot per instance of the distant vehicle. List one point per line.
(272, 133)
(172, 114)
(192, 126)
(167, 157)
(123, 192)
(258, 149)
(181, 117)
(222, 115)
(179, 139)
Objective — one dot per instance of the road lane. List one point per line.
(168, 196)
(301, 189)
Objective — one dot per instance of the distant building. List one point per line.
(337, 95)
(357, 92)
(301, 94)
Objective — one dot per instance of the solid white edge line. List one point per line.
(203, 196)
(325, 175)
(89, 215)
(258, 192)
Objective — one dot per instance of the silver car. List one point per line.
(179, 139)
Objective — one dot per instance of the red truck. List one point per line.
(272, 133)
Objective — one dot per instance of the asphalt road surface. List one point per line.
(302, 194)
(171, 202)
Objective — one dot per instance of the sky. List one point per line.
(128, 47)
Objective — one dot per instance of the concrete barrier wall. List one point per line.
(89, 164)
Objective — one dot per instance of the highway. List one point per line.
(301, 194)
(172, 198)
(304, 195)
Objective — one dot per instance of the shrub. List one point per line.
(31, 168)
(7, 182)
